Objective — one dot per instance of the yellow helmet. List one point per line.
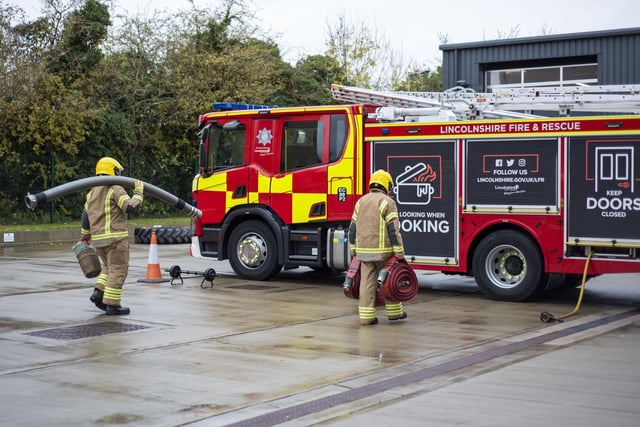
(382, 179)
(108, 166)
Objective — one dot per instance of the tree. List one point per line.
(43, 121)
(161, 72)
(364, 55)
(418, 80)
(72, 91)
(512, 33)
(210, 60)
(78, 51)
(308, 83)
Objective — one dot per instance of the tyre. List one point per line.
(253, 252)
(563, 281)
(142, 235)
(508, 266)
(173, 235)
(566, 281)
(164, 235)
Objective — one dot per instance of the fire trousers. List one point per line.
(115, 260)
(368, 289)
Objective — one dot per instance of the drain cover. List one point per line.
(85, 331)
(253, 287)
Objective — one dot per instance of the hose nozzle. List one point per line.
(547, 317)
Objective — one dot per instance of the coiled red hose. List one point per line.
(351, 286)
(401, 284)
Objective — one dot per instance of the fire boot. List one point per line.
(96, 298)
(402, 317)
(113, 310)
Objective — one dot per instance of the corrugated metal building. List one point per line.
(594, 58)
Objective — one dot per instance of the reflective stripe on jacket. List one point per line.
(374, 233)
(106, 209)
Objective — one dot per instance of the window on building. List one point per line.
(540, 75)
(557, 76)
(580, 73)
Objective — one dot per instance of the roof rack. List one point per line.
(462, 103)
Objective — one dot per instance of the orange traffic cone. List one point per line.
(153, 267)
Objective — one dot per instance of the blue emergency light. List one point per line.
(226, 106)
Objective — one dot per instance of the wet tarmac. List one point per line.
(291, 351)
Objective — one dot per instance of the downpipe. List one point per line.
(34, 200)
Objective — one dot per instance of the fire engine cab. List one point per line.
(485, 186)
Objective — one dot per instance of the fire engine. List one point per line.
(485, 185)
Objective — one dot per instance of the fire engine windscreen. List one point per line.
(223, 146)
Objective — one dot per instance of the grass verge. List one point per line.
(138, 222)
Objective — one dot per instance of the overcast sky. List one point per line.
(412, 26)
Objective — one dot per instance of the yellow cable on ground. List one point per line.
(545, 316)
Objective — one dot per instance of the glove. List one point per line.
(138, 187)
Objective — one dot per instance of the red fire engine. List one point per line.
(483, 186)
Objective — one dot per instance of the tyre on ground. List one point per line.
(164, 235)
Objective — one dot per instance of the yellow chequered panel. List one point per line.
(254, 197)
(301, 206)
(279, 185)
(263, 188)
(264, 183)
(231, 202)
(217, 182)
(341, 175)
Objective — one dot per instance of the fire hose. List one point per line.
(33, 200)
(351, 285)
(397, 281)
(545, 316)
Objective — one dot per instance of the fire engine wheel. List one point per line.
(253, 251)
(507, 266)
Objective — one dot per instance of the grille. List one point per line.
(253, 287)
(85, 331)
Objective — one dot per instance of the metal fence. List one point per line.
(39, 173)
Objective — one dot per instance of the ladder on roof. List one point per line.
(461, 103)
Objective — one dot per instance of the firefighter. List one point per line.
(104, 223)
(374, 235)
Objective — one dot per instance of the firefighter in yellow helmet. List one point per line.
(374, 236)
(104, 223)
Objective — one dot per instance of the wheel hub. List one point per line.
(252, 251)
(513, 265)
(506, 266)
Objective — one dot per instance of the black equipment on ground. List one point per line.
(176, 274)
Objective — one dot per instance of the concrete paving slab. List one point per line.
(239, 350)
(593, 383)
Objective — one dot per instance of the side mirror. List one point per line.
(204, 139)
